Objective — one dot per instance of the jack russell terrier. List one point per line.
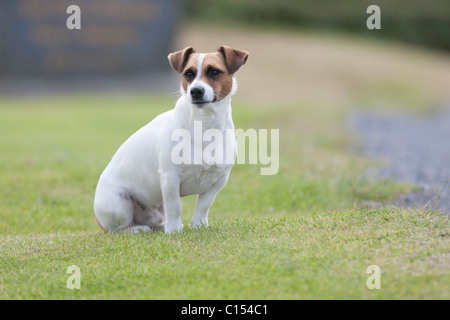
(141, 188)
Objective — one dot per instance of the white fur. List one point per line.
(140, 189)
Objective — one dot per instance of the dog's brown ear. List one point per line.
(234, 58)
(178, 59)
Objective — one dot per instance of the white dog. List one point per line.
(140, 189)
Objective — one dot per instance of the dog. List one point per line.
(140, 190)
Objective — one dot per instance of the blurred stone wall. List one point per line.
(117, 37)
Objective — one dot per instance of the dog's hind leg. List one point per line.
(113, 209)
(148, 216)
(136, 229)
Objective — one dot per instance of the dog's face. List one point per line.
(207, 78)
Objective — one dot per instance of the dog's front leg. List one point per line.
(204, 202)
(170, 187)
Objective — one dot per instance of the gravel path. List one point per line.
(417, 150)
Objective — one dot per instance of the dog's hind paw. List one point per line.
(137, 229)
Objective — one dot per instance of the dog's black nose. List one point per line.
(197, 93)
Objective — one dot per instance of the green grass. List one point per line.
(299, 234)
(278, 257)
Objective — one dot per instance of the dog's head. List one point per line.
(207, 78)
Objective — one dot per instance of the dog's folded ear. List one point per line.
(234, 58)
(178, 59)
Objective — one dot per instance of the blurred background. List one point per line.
(69, 98)
(120, 38)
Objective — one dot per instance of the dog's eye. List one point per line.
(189, 74)
(213, 72)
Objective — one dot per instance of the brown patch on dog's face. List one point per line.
(216, 75)
(189, 72)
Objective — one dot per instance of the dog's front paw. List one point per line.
(199, 223)
(173, 227)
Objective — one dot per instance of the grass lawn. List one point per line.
(284, 256)
(303, 233)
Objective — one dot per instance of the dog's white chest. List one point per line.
(197, 178)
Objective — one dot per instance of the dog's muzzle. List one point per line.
(199, 98)
(197, 94)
